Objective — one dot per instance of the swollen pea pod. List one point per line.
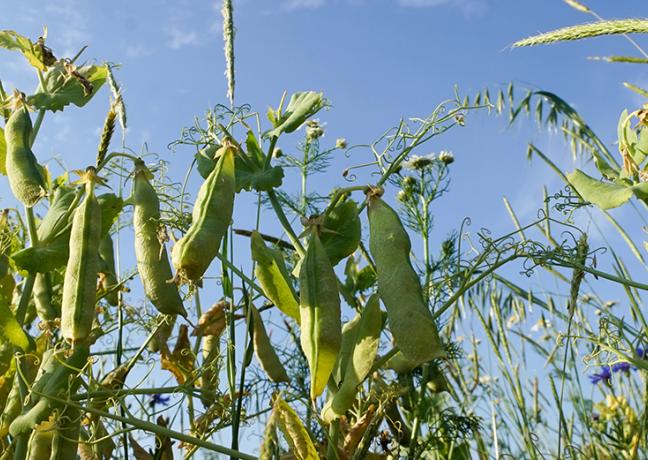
(320, 324)
(212, 214)
(273, 276)
(80, 283)
(410, 320)
(209, 377)
(107, 272)
(46, 310)
(14, 403)
(364, 334)
(24, 173)
(264, 350)
(40, 441)
(152, 259)
(55, 381)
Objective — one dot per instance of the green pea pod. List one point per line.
(24, 173)
(11, 408)
(264, 350)
(410, 320)
(43, 293)
(341, 233)
(58, 215)
(107, 273)
(152, 259)
(273, 276)
(320, 323)
(55, 381)
(294, 431)
(365, 336)
(80, 284)
(53, 248)
(209, 378)
(212, 214)
(40, 441)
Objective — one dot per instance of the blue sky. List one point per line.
(375, 60)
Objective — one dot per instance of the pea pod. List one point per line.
(152, 259)
(43, 293)
(80, 283)
(66, 438)
(40, 441)
(107, 272)
(364, 333)
(410, 320)
(273, 276)
(24, 173)
(264, 351)
(212, 214)
(55, 381)
(320, 324)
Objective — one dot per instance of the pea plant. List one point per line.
(331, 332)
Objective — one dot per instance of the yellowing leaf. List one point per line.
(36, 54)
(10, 329)
(181, 362)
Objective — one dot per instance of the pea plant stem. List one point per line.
(154, 428)
(274, 201)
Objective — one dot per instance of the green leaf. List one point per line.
(10, 329)
(341, 231)
(32, 51)
(603, 194)
(63, 88)
(205, 160)
(250, 174)
(261, 180)
(300, 108)
(3, 153)
(273, 277)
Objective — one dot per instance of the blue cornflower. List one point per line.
(159, 399)
(623, 366)
(604, 376)
(642, 352)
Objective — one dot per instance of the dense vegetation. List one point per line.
(333, 328)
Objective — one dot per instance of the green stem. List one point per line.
(154, 428)
(37, 125)
(285, 224)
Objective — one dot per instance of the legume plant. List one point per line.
(333, 328)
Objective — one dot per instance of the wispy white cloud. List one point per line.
(468, 7)
(138, 50)
(179, 38)
(291, 5)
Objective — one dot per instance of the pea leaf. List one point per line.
(3, 153)
(250, 174)
(261, 180)
(603, 194)
(111, 205)
(300, 108)
(10, 329)
(341, 233)
(65, 86)
(32, 51)
(180, 362)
